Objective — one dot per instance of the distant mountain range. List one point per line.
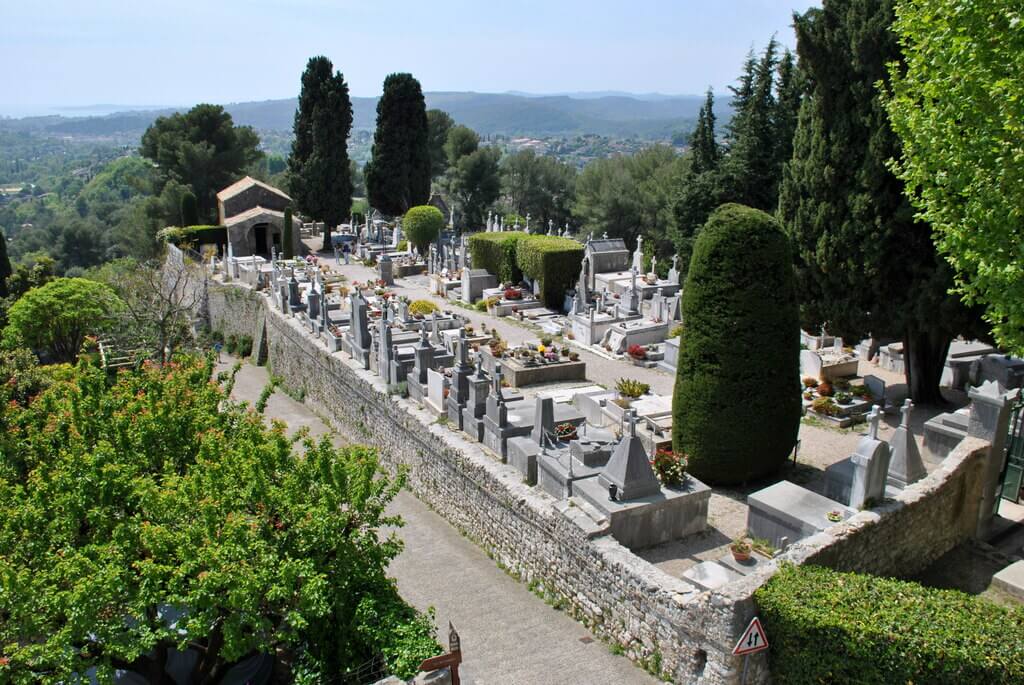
(621, 115)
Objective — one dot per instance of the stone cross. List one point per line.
(874, 416)
(654, 260)
(905, 413)
(551, 226)
(638, 256)
(496, 381)
(632, 423)
(480, 364)
(527, 222)
(605, 236)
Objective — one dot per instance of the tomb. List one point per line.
(905, 464)
(784, 513)
(860, 479)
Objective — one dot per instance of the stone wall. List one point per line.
(662, 622)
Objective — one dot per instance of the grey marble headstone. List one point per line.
(905, 464)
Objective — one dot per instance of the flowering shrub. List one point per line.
(669, 467)
(513, 294)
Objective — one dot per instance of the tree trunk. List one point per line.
(924, 356)
(327, 237)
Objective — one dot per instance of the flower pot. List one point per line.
(740, 556)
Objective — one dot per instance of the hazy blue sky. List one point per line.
(78, 52)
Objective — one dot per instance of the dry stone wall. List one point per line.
(662, 622)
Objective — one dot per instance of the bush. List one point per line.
(422, 225)
(739, 303)
(553, 261)
(402, 246)
(423, 307)
(825, 406)
(244, 346)
(231, 344)
(830, 627)
(676, 331)
(496, 253)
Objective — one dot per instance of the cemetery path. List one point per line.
(509, 636)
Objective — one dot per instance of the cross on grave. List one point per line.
(496, 381)
(480, 364)
(874, 416)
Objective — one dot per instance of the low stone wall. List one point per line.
(662, 622)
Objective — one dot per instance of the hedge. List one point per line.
(553, 261)
(829, 627)
(496, 252)
(199, 234)
(736, 405)
(422, 225)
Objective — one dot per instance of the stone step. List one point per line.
(710, 575)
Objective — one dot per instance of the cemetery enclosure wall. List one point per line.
(660, 621)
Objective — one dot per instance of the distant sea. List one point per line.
(19, 111)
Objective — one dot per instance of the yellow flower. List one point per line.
(541, 349)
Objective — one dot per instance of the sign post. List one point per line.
(450, 660)
(754, 640)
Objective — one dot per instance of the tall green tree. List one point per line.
(189, 210)
(320, 179)
(201, 149)
(476, 183)
(461, 141)
(398, 174)
(741, 261)
(538, 185)
(789, 93)
(5, 266)
(865, 265)
(958, 108)
(704, 148)
(439, 123)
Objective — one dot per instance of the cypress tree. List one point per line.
(287, 237)
(703, 146)
(5, 266)
(789, 94)
(320, 175)
(189, 209)
(864, 265)
(398, 174)
(739, 303)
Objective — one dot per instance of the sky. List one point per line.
(152, 52)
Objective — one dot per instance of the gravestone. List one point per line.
(435, 391)
(629, 469)
(385, 352)
(905, 465)
(358, 338)
(476, 402)
(459, 392)
(386, 269)
(422, 361)
(990, 420)
(870, 465)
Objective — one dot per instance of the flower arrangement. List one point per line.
(860, 391)
(513, 294)
(565, 432)
(835, 516)
(810, 382)
(637, 352)
(740, 549)
(669, 467)
(630, 388)
(825, 389)
(825, 406)
(843, 398)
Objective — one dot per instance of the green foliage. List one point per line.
(461, 141)
(825, 406)
(189, 210)
(54, 319)
(319, 173)
(439, 123)
(631, 388)
(476, 183)
(741, 261)
(957, 107)
(122, 498)
(863, 263)
(186, 235)
(422, 225)
(201, 149)
(423, 308)
(5, 266)
(398, 175)
(538, 185)
(496, 252)
(552, 260)
(830, 627)
(402, 245)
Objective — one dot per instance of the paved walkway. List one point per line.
(509, 636)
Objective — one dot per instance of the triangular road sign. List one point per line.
(753, 639)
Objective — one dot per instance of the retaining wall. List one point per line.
(662, 622)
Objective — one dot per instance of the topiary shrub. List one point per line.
(553, 261)
(736, 408)
(831, 627)
(496, 253)
(422, 225)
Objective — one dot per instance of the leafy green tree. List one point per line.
(476, 183)
(201, 149)
(5, 266)
(462, 141)
(864, 264)
(54, 319)
(741, 261)
(288, 237)
(538, 185)
(958, 107)
(422, 225)
(161, 515)
(398, 175)
(439, 123)
(189, 210)
(319, 175)
(789, 95)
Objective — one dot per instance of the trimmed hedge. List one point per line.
(553, 261)
(496, 252)
(829, 627)
(736, 405)
(422, 225)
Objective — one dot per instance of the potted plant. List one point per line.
(638, 354)
(629, 389)
(574, 356)
(740, 549)
(669, 467)
(810, 382)
(825, 389)
(835, 516)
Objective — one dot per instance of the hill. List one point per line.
(512, 114)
